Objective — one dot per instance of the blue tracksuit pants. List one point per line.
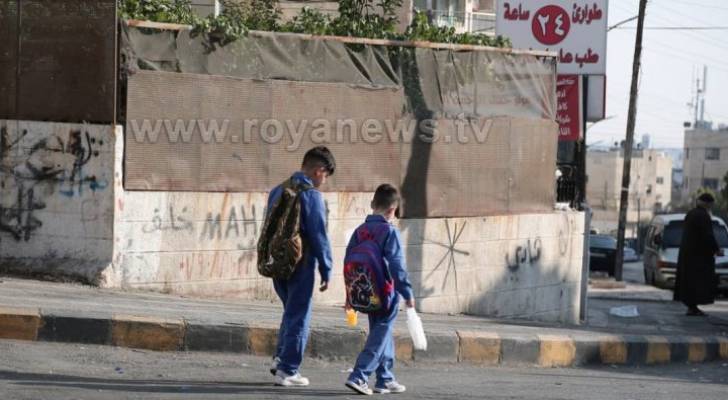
(378, 353)
(296, 294)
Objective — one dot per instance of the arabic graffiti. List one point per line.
(32, 169)
(171, 222)
(525, 255)
(237, 222)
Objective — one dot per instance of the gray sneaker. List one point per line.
(390, 387)
(283, 379)
(359, 387)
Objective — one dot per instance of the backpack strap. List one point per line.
(364, 234)
(298, 187)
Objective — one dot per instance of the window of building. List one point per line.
(649, 189)
(712, 153)
(710, 183)
(660, 180)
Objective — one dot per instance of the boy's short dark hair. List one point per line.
(385, 197)
(707, 198)
(320, 156)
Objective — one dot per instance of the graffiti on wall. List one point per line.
(171, 221)
(448, 260)
(237, 222)
(528, 253)
(34, 166)
(230, 225)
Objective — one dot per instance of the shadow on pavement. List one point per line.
(687, 373)
(161, 386)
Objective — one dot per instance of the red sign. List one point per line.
(569, 113)
(550, 25)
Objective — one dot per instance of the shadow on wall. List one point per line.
(536, 278)
(519, 266)
(414, 184)
(56, 209)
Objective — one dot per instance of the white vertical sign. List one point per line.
(576, 30)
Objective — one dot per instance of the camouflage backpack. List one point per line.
(280, 246)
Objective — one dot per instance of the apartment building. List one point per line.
(649, 191)
(706, 158)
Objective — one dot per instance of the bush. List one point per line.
(357, 18)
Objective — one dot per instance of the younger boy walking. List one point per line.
(378, 353)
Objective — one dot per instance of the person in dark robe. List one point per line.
(696, 282)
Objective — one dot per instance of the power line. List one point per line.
(620, 23)
(701, 5)
(677, 28)
(715, 63)
(704, 36)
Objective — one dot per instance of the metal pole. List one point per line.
(631, 119)
(584, 298)
(584, 205)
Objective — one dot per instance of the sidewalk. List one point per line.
(33, 310)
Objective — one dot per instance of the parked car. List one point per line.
(630, 255)
(662, 245)
(602, 252)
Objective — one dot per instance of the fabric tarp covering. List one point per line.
(311, 91)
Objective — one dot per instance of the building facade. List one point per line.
(649, 191)
(706, 159)
(477, 16)
(291, 8)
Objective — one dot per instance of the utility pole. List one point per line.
(632, 116)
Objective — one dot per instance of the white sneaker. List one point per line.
(274, 366)
(359, 387)
(283, 379)
(390, 387)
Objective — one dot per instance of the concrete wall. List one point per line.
(56, 197)
(64, 212)
(203, 244)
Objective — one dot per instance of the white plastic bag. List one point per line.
(414, 324)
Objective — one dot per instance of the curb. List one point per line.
(472, 347)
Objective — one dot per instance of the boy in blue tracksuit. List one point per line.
(378, 353)
(296, 292)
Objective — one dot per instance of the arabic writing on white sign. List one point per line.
(576, 30)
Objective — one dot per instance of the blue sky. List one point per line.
(669, 60)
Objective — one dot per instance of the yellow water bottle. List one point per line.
(351, 318)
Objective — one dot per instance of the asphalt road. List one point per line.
(65, 371)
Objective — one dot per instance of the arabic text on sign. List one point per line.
(516, 13)
(586, 14)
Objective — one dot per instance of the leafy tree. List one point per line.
(356, 18)
(172, 11)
